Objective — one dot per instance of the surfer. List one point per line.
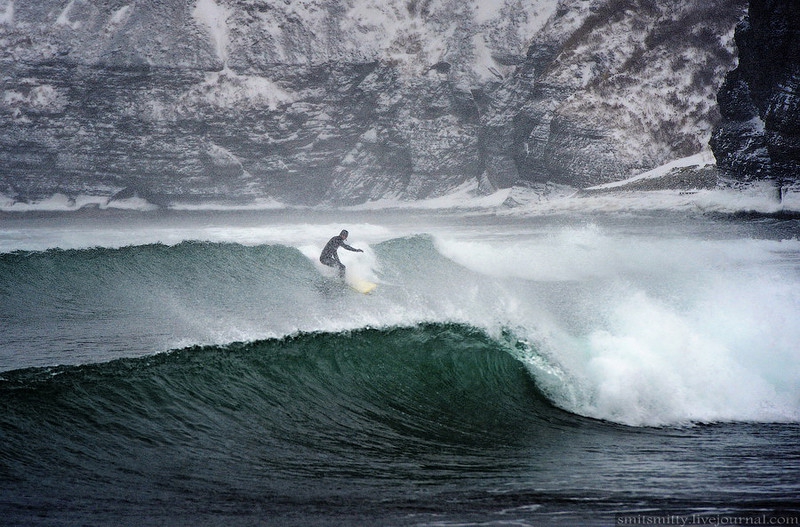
(329, 255)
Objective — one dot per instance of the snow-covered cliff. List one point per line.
(309, 101)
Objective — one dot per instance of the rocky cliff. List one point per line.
(759, 136)
(350, 100)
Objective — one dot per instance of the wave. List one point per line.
(320, 402)
(640, 329)
(411, 425)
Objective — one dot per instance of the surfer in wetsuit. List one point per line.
(329, 255)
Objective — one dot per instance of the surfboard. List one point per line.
(360, 285)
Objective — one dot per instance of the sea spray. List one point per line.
(642, 324)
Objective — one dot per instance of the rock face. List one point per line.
(343, 101)
(759, 137)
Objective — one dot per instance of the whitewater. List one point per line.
(652, 342)
(640, 322)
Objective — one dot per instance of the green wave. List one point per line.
(304, 404)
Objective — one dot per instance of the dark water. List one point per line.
(421, 425)
(529, 375)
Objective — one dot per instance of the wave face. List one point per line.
(316, 428)
(405, 426)
(519, 371)
(639, 327)
(96, 304)
(310, 405)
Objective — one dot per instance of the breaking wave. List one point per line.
(636, 331)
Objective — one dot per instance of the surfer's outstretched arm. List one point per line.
(345, 246)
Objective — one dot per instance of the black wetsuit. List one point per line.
(330, 257)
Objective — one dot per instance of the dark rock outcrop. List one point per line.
(759, 137)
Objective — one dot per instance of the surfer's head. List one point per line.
(343, 234)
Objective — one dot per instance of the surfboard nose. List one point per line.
(360, 285)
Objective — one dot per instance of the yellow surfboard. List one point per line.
(360, 285)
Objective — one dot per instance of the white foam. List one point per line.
(589, 253)
(640, 329)
(656, 364)
(647, 330)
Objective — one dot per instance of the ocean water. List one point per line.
(199, 368)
